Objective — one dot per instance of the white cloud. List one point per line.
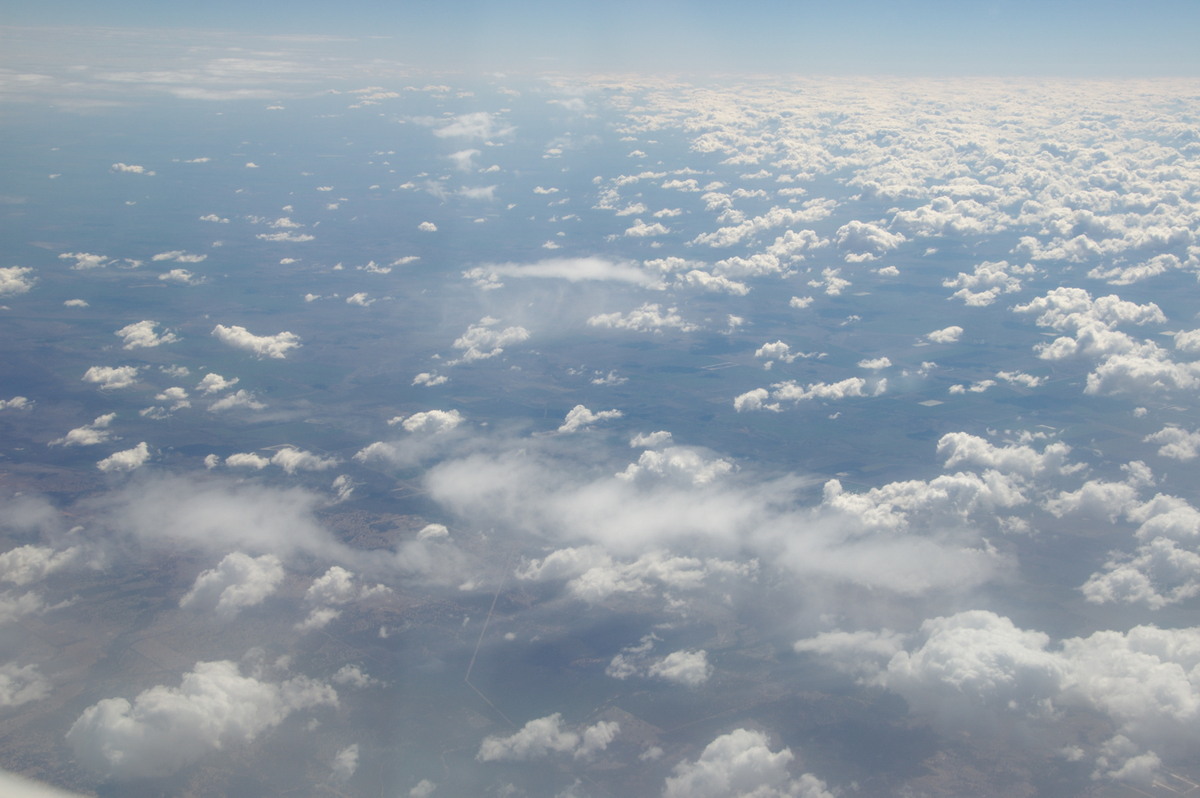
(689, 668)
(570, 269)
(483, 340)
(30, 563)
(127, 460)
(866, 241)
(112, 377)
(273, 346)
(543, 736)
(338, 586)
(214, 383)
(650, 440)
(16, 403)
(345, 762)
(946, 335)
(166, 728)
(291, 460)
(875, 364)
(430, 379)
(741, 764)
(141, 335)
(427, 227)
(21, 684)
(240, 398)
(181, 276)
(432, 421)
(684, 464)
(580, 417)
(649, 317)
(475, 125)
(132, 168)
(238, 581)
(88, 434)
(15, 280)
(791, 391)
(86, 260)
(989, 280)
(1177, 443)
(247, 460)
(640, 229)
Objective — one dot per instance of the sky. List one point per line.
(447, 402)
(930, 37)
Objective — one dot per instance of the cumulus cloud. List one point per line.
(214, 383)
(132, 169)
(240, 398)
(273, 346)
(142, 335)
(483, 340)
(432, 421)
(544, 736)
(31, 563)
(111, 377)
(985, 285)
(475, 125)
(88, 434)
(579, 417)
(793, 392)
(1177, 443)
(741, 763)
(126, 460)
(15, 280)
(21, 684)
(166, 728)
(946, 335)
(650, 317)
(238, 581)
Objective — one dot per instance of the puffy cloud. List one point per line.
(484, 340)
(238, 581)
(989, 280)
(741, 764)
(543, 736)
(580, 417)
(15, 280)
(88, 434)
(141, 335)
(21, 684)
(247, 460)
(361, 299)
(946, 335)
(1177, 443)
(291, 460)
(166, 728)
(213, 383)
(689, 668)
(684, 464)
(811, 211)
(977, 666)
(273, 346)
(427, 227)
(791, 391)
(640, 229)
(713, 283)
(86, 260)
(338, 586)
(126, 460)
(831, 281)
(431, 421)
(650, 440)
(866, 241)
(875, 364)
(132, 169)
(430, 379)
(650, 317)
(240, 398)
(30, 563)
(112, 377)
(16, 403)
(475, 125)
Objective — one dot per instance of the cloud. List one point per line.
(483, 340)
(30, 563)
(946, 335)
(543, 736)
(866, 241)
(430, 421)
(570, 269)
(791, 391)
(741, 764)
(166, 728)
(88, 434)
(273, 346)
(640, 229)
(688, 668)
(181, 276)
(16, 403)
(86, 260)
(291, 460)
(345, 762)
(127, 460)
(649, 317)
(111, 377)
(579, 417)
(15, 280)
(1177, 443)
(427, 227)
(989, 280)
(133, 169)
(141, 335)
(214, 383)
(240, 398)
(21, 684)
(476, 125)
(238, 581)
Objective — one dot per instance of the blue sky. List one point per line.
(931, 37)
